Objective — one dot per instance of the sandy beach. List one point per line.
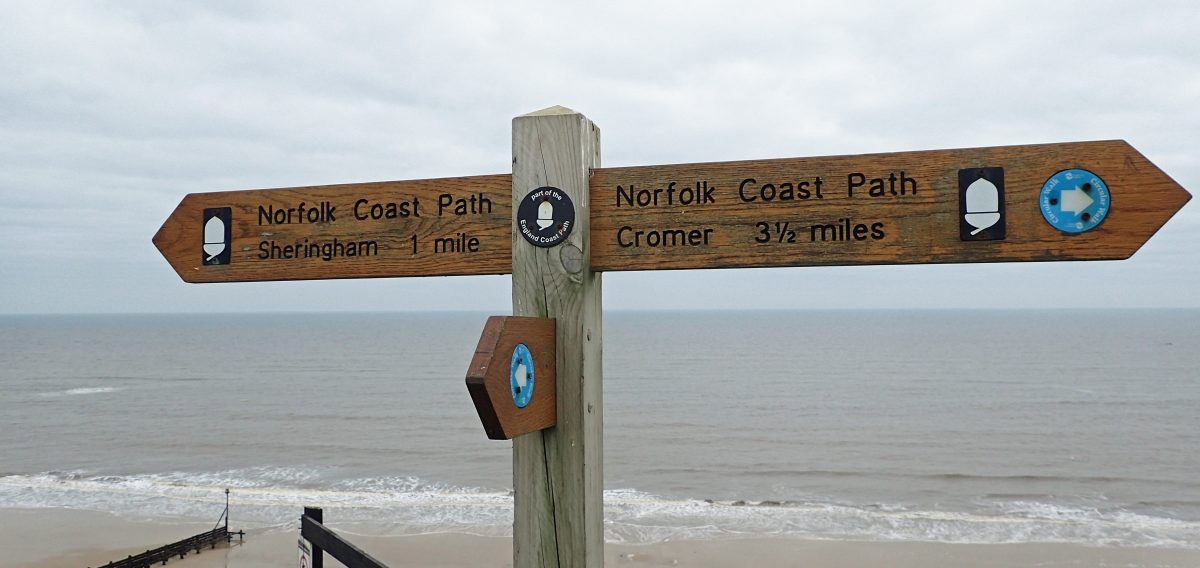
(61, 538)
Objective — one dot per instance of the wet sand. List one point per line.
(62, 538)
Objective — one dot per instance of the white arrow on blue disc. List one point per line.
(1074, 201)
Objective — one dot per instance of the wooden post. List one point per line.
(558, 477)
(318, 555)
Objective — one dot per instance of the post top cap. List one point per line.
(551, 111)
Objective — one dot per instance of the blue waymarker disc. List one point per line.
(1074, 201)
(520, 376)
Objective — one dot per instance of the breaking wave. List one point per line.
(81, 391)
(407, 505)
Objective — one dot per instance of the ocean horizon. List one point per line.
(971, 426)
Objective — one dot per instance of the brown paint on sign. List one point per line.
(435, 227)
(488, 378)
(899, 208)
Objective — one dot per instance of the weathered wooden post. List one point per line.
(318, 555)
(558, 476)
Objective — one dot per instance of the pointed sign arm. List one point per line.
(896, 208)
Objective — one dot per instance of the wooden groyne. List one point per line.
(181, 549)
(162, 554)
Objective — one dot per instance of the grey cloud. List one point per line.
(111, 112)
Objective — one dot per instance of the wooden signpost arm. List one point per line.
(870, 209)
(557, 473)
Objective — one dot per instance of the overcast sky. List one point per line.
(111, 112)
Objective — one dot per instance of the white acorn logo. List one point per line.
(214, 238)
(983, 205)
(545, 214)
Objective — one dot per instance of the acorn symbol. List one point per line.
(214, 238)
(983, 205)
(545, 216)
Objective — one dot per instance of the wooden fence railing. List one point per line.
(324, 540)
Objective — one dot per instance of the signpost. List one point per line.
(560, 220)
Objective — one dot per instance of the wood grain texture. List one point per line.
(489, 383)
(558, 475)
(916, 228)
(920, 227)
(181, 236)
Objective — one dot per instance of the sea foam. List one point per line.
(409, 505)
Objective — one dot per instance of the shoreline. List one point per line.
(61, 538)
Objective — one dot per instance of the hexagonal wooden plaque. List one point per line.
(489, 376)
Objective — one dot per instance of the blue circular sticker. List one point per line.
(520, 375)
(1074, 201)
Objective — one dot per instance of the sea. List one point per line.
(1064, 426)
